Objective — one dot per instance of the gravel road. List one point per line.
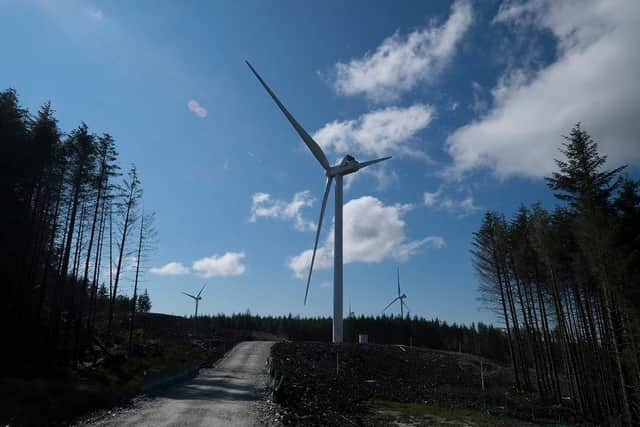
(229, 394)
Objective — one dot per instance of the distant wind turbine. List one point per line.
(401, 297)
(196, 298)
(347, 166)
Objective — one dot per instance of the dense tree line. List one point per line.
(68, 223)
(479, 339)
(566, 285)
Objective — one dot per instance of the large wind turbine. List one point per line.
(347, 166)
(196, 298)
(401, 297)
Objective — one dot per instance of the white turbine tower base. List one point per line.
(337, 264)
(347, 166)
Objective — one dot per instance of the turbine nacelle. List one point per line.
(347, 166)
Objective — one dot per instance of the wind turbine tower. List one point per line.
(401, 297)
(196, 298)
(347, 166)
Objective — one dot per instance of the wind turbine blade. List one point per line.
(189, 295)
(313, 146)
(200, 293)
(406, 306)
(398, 281)
(327, 189)
(389, 305)
(362, 165)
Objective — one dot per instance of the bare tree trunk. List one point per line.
(52, 239)
(96, 269)
(516, 328)
(547, 337)
(616, 354)
(79, 240)
(134, 300)
(506, 319)
(110, 251)
(128, 212)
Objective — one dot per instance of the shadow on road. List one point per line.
(223, 387)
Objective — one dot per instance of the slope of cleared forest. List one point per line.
(325, 384)
(109, 374)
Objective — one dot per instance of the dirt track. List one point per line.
(228, 394)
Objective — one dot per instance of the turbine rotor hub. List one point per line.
(347, 165)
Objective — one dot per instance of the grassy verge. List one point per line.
(382, 412)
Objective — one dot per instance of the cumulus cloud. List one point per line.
(264, 206)
(170, 269)
(399, 63)
(299, 264)
(593, 81)
(372, 232)
(197, 109)
(377, 133)
(229, 264)
(384, 176)
(448, 201)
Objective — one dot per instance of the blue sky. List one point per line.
(471, 99)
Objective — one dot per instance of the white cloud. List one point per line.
(378, 133)
(460, 206)
(264, 206)
(197, 109)
(384, 176)
(326, 285)
(399, 63)
(96, 14)
(480, 103)
(299, 264)
(372, 232)
(407, 250)
(593, 81)
(467, 205)
(130, 262)
(260, 197)
(170, 269)
(430, 198)
(229, 264)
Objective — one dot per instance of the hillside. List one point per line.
(323, 384)
(166, 349)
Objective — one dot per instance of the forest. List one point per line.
(565, 284)
(69, 221)
(481, 339)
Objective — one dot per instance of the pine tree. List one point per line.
(580, 180)
(144, 302)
